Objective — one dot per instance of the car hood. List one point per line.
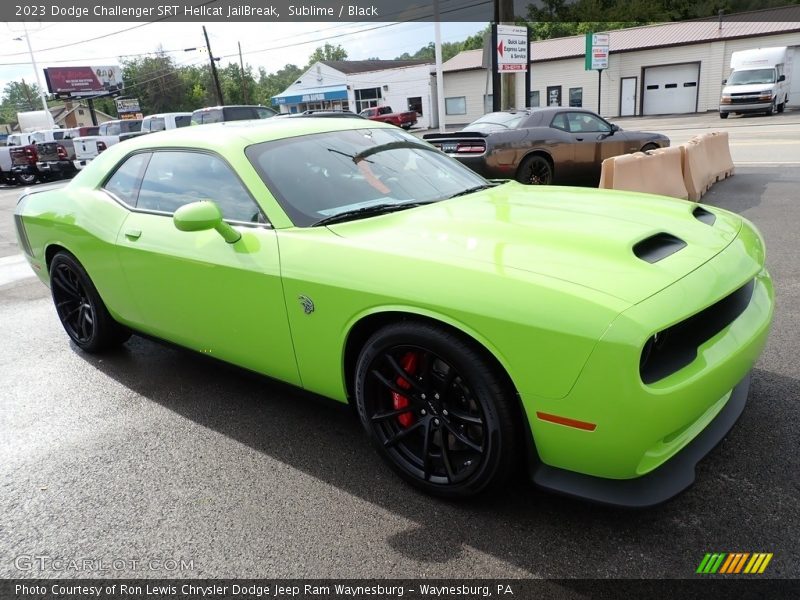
(748, 88)
(582, 236)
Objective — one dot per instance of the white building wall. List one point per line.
(397, 86)
(714, 59)
(474, 85)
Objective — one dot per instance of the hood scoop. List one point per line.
(701, 214)
(658, 247)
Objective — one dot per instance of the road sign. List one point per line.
(512, 49)
(596, 51)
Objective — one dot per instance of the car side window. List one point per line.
(174, 178)
(124, 183)
(581, 122)
(560, 122)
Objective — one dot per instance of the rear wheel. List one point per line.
(80, 308)
(25, 178)
(535, 170)
(436, 411)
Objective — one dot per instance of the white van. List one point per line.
(759, 82)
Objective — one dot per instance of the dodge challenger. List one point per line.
(600, 340)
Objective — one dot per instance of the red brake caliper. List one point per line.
(409, 364)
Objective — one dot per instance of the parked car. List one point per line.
(543, 145)
(221, 114)
(57, 158)
(109, 133)
(24, 158)
(604, 337)
(160, 122)
(385, 114)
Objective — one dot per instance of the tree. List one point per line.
(18, 96)
(327, 52)
(156, 81)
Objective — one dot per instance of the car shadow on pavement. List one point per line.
(742, 487)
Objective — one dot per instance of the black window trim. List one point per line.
(161, 213)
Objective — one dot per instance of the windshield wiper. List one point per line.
(367, 211)
(391, 146)
(472, 190)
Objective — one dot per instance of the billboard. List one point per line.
(82, 81)
(128, 108)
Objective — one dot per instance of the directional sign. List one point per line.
(596, 51)
(512, 49)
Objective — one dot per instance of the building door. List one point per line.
(553, 95)
(627, 98)
(670, 89)
(793, 75)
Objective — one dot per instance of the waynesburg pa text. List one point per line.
(187, 11)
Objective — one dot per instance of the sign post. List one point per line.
(596, 59)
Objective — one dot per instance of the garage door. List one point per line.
(670, 89)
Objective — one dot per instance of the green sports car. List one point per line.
(602, 340)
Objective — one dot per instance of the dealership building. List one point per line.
(358, 84)
(668, 68)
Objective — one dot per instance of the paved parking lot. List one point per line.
(153, 453)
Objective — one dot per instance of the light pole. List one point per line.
(38, 79)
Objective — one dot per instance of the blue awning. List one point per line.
(338, 92)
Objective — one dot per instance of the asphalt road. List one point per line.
(154, 453)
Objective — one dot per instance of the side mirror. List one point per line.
(781, 78)
(202, 216)
(614, 128)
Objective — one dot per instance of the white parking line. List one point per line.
(14, 268)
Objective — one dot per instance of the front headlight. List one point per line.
(725, 100)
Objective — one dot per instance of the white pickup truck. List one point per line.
(164, 121)
(110, 133)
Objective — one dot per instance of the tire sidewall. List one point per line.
(524, 175)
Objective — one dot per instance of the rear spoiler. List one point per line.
(454, 135)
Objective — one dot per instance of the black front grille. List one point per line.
(672, 349)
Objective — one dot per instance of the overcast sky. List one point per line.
(269, 45)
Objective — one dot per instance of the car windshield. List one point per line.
(317, 176)
(492, 120)
(753, 76)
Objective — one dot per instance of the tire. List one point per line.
(25, 178)
(723, 115)
(782, 106)
(535, 170)
(450, 393)
(80, 308)
(648, 147)
(771, 110)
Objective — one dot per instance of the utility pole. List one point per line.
(38, 79)
(213, 69)
(438, 58)
(506, 15)
(241, 64)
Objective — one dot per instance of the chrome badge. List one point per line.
(308, 305)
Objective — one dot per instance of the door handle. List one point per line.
(133, 234)
(579, 139)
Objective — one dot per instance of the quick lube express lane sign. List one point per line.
(596, 51)
(512, 48)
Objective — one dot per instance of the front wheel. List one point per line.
(436, 411)
(781, 106)
(772, 108)
(535, 170)
(649, 147)
(723, 115)
(80, 308)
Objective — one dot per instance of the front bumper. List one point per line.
(659, 485)
(745, 108)
(637, 427)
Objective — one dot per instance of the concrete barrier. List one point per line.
(697, 172)
(719, 154)
(658, 172)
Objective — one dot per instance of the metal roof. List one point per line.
(654, 36)
(365, 66)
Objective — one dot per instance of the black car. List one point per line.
(543, 145)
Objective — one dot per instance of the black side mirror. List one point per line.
(724, 81)
(781, 78)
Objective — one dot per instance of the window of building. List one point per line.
(456, 105)
(415, 104)
(367, 98)
(533, 99)
(175, 178)
(554, 95)
(576, 97)
(488, 103)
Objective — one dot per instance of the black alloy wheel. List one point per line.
(25, 178)
(80, 308)
(435, 410)
(535, 170)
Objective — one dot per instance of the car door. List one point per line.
(194, 288)
(594, 140)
